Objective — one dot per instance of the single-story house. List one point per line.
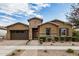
(37, 28)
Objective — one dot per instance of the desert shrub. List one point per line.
(75, 36)
(78, 54)
(41, 41)
(70, 51)
(56, 38)
(49, 39)
(78, 39)
(73, 44)
(51, 44)
(68, 38)
(45, 51)
(43, 38)
(75, 33)
(74, 39)
(62, 38)
(18, 50)
(13, 54)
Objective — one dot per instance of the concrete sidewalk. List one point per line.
(49, 47)
(5, 50)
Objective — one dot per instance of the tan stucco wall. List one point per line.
(54, 29)
(18, 27)
(63, 25)
(33, 23)
(15, 27)
(42, 28)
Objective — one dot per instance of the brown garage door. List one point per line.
(19, 34)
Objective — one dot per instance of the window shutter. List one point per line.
(67, 32)
(59, 31)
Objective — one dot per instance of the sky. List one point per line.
(20, 12)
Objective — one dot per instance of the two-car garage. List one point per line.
(19, 34)
(17, 31)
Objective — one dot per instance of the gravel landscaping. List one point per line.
(35, 43)
(56, 53)
(49, 53)
(16, 52)
(60, 44)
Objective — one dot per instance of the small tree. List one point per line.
(73, 15)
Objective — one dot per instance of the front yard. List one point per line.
(36, 43)
(44, 52)
(60, 44)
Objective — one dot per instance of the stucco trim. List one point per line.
(56, 20)
(35, 18)
(48, 23)
(15, 24)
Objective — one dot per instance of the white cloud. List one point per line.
(28, 9)
(40, 6)
(44, 5)
(36, 9)
(11, 8)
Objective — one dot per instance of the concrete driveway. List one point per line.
(13, 42)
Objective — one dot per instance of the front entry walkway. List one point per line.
(30, 52)
(33, 43)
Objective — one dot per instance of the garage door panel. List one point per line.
(19, 35)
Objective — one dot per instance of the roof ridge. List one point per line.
(16, 23)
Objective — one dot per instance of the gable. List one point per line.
(62, 23)
(17, 26)
(48, 23)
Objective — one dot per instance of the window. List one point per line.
(64, 31)
(48, 31)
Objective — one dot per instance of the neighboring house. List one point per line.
(37, 28)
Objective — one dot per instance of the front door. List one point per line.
(35, 33)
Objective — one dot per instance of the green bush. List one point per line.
(45, 51)
(18, 50)
(70, 51)
(75, 39)
(56, 38)
(73, 44)
(68, 38)
(43, 38)
(78, 39)
(78, 54)
(75, 36)
(41, 41)
(13, 54)
(62, 38)
(76, 33)
(49, 39)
